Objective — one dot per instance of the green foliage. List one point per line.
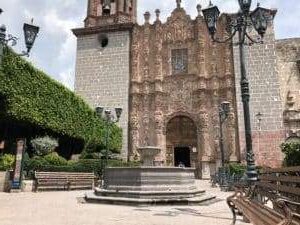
(38, 163)
(54, 159)
(236, 168)
(89, 155)
(32, 98)
(7, 162)
(292, 153)
(44, 145)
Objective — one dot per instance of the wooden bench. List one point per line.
(273, 200)
(63, 181)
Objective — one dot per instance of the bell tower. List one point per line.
(103, 57)
(106, 12)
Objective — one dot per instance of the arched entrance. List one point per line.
(181, 137)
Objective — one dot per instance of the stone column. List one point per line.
(135, 77)
(204, 141)
(134, 128)
(160, 137)
(120, 5)
(231, 134)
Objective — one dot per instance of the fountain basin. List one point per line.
(150, 179)
(149, 186)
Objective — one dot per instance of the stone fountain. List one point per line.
(148, 185)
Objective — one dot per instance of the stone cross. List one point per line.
(178, 2)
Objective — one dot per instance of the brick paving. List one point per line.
(65, 208)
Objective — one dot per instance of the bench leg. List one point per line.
(245, 219)
(232, 208)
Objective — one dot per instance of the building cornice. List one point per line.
(107, 28)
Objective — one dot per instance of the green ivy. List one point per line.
(292, 153)
(33, 98)
(7, 162)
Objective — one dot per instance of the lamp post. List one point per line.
(259, 116)
(223, 114)
(109, 119)
(30, 34)
(239, 23)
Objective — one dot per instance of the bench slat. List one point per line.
(282, 188)
(282, 170)
(257, 213)
(64, 180)
(290, 179)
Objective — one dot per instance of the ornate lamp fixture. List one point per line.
(211, 15)
(245, 5)
(240, 23)
(30, 34)
(260, 20)
(109, 119)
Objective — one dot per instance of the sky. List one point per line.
(54, 51)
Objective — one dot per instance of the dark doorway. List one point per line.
(182, 156)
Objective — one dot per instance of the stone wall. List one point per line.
(265, 98)
(288, 56)
(102, 74)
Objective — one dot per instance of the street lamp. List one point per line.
(259, 116)
(223, 115)
(240, 22)
(30, 33)
(109, 119)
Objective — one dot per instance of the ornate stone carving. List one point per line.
(179, 27)
(158, 96)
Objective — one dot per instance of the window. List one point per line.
(179, 61)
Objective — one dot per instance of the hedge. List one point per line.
(27, 95)
(87, 165)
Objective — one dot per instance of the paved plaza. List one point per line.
(66, 208)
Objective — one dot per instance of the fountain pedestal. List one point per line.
(148, 154)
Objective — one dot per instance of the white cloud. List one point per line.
(67, 77)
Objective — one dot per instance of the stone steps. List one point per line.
(90, 197)
(174, 194)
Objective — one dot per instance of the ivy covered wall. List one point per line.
(33, 102)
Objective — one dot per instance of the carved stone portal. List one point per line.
(178, 79)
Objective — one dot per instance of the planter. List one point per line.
(4, 181)
(28, 185)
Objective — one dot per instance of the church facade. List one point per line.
(170, 79)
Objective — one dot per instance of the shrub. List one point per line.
(89, 155)
(292, 153)
(38, 163)
(91, 151)
(54, 159)
(44, 145)
(237, 169)
(7, 162)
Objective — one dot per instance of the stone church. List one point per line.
(170, 79)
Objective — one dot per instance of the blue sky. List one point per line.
(55, 48)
